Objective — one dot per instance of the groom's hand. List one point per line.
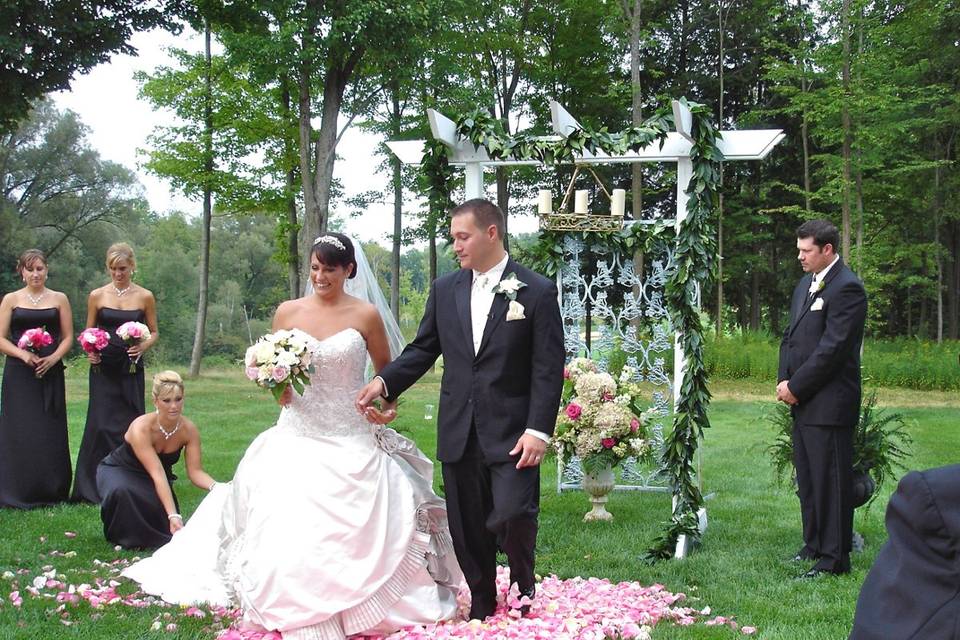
(531, 450)
(372, 391)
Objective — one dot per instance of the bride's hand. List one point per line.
(382, 415)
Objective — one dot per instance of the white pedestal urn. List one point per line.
(598, 485)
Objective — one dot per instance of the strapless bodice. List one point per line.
(326, 407)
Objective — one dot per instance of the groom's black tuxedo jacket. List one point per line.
(820, 350)
(514, 381)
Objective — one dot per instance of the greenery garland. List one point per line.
(695, 259)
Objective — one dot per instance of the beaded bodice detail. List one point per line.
(326, 407)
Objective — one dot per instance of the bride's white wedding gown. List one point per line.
(329, 528)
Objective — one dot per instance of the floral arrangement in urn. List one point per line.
(602, 420)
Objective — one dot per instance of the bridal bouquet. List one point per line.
(280, 359)
(133, 333)
(93, 340)
(601, 422)
(35, 339)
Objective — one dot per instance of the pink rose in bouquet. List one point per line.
(93, 340)
(35, 339)
(133, 333)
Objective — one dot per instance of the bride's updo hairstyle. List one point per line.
(335, 250)
(166, 383)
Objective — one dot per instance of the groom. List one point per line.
(497, 326)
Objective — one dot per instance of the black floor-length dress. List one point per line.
(34, 450)
(116, 398)
(133, 516)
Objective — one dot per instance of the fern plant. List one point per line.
(880, 445)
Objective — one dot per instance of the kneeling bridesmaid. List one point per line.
(137, 503)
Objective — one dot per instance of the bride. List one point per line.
(330, 527)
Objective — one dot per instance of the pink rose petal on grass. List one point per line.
(70, 534)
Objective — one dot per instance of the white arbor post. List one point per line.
(734, 145)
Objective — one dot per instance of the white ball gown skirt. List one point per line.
(329, 528)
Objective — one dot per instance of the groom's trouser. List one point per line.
(491, 504)
(823, 459)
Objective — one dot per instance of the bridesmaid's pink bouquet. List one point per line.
(35, 339)
(280, 359)
(133, 333)
(94, 340)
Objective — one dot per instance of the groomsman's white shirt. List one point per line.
(818, 277)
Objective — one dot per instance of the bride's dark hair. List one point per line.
(335, 250)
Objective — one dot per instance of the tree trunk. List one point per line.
(310, 229)
(293, 248)
(503, 201)
(953, 281)
(847, 133)
(197, 354)
(720, 65)
(632, 13)
(397, 204)
(859, 176)
(936, 243)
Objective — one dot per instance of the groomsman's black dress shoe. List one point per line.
(804, 555)
(814, 573)
(529, 593)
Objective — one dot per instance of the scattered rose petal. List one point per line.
(70, 534)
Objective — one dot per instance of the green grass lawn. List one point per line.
(741, 569)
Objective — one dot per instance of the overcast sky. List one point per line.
(119, 123)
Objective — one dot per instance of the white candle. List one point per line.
(618, 202)
(580, 201)
(545, 202)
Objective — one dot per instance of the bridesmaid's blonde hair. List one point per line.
(120, 251)
(166, 382)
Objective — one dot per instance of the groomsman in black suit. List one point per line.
(913, 590)
(819, 378)
(497, 325)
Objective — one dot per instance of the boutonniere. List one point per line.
(509, 287)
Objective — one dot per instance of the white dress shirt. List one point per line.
(481, 298)
(818, 277)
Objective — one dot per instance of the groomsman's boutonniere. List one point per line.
(509, 287)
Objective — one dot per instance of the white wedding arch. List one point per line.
(576, 290)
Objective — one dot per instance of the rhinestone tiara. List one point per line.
(330, 240)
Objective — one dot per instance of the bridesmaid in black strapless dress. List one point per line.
(116, 393)
(138, 507)
(34, 450)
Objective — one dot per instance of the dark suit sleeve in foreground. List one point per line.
(418, 356)
(846, 313)
(913, 589)
(546, 370)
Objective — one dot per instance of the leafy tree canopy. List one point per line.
(43, 43)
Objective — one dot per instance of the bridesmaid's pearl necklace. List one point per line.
(167, 434)
(36, 299)
(120, 291)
